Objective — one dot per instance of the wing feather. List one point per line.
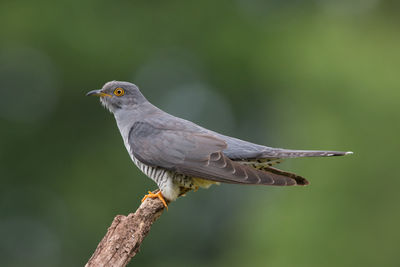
(198, 154)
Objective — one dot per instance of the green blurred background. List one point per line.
(315, 74)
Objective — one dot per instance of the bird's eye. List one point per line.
(119, 91)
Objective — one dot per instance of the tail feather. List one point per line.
(274, 156)
(287, 153)
(259, 164)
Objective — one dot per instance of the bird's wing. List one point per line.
(198, 154)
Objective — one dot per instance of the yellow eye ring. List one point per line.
(119, 91)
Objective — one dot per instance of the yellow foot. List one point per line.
(157, 195)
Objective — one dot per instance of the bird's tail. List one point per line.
(287, 153)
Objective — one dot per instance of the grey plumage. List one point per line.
(196, 153)
(180, 155)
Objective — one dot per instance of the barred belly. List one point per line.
(172, 184)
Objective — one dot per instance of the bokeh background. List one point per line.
(316, 74)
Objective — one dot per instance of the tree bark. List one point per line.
(125, 235)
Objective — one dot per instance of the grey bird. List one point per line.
(180, 155)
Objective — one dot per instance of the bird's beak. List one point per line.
(97, 93)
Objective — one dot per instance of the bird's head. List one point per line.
(116, 95)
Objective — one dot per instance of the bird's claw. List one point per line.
(156, 195)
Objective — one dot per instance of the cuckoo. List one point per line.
(179, 155)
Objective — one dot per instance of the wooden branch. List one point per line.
(125, 235)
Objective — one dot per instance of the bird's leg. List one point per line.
(156, 195)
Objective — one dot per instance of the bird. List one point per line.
(180, 156)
